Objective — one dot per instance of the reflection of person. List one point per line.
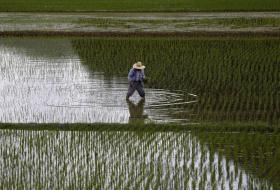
(136, 111)
(136, 77)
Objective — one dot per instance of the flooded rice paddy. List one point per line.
(190, 80)
(45, 81)
(132, 160)
(236, 79)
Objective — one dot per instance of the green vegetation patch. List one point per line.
(182, 23)
(233, 22)
(236, 79)
(149, 24)
(94, 159)
(256, 152)
(144, 5)
(209, 127)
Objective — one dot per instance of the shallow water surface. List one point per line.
(43, 80)
(119, 160)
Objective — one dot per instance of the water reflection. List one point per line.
(43, 81)
(116, 160)
(256, 152)
(136, 111)
(224, 72)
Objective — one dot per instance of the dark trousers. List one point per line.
(136, 85)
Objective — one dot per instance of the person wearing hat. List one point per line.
(136, 77)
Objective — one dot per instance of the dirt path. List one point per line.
(110, 22)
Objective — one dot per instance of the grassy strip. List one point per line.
(144, 5)
(213, 127)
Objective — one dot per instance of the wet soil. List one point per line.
(129, 23)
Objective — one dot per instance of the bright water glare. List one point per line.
(116, 160)
(43, 80)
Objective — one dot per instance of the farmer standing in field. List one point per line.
(136, 77)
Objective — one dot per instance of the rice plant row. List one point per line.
(257, 152)
(236, 79)
(116, 160)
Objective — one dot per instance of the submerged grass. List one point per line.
(241, 22)
(105, 159)
(234, 22)
(91, 23)
(101, 22)
(236, 79)
(256, 152)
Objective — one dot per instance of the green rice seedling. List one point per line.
(240, 22)
(103, 155)
(254, 151)
(234, 78)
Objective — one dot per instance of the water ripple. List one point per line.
(44, 81)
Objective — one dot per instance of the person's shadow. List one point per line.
(136, 112)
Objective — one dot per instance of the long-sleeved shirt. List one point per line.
(136, 75)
